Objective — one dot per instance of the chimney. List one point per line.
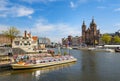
(25, 34)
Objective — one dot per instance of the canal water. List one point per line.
(90, 66)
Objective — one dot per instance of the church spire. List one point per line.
(93, 19)
(83, 23)
(93, 22)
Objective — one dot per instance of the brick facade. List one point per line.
(4, 40)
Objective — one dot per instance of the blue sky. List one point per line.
(59, 18)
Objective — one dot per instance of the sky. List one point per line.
(57, 19)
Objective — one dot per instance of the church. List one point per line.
(91, 35)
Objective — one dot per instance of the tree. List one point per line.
(11, 32)
(106, 38)
(116, 39)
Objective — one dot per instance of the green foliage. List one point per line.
(116, 39)
(65, 53)
(106, 38)
(11, 32)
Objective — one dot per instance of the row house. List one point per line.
(27, 42)
(4, 40)
(72, 41)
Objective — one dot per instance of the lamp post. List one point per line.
(93, 38)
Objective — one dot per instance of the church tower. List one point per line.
(91, 35)
(83, 32)
(93, 27)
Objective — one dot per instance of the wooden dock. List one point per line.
(5, 67)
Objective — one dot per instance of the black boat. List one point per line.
(117, 49)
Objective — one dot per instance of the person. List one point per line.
(10, 52)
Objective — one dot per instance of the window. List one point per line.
(17, 42)
(28, 42)
(25, 44)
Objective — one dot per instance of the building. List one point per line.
(44, 40)
(27, 42)
(67, 41)
(117, 33)
(64, 41)
(4, 40)
(76, 41)
(71, 41)
(91, 35)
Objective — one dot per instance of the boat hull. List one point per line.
(117, 49)
(30, 66)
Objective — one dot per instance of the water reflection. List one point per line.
(90, 66)
(31, 74)
(36, 72)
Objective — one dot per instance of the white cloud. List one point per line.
(76, 3)
(117, 25)
(117, 9)
(14, 10)
(23, 11)
(54, 31)
(72, 5)
(3, 15)
(41, 26)
(3, 28)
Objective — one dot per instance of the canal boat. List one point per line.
(43, 62)
(117, 49)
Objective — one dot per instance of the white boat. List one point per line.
(91, 49)
(101, 49)
(44, 63)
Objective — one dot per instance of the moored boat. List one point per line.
(43, 62)
(117, 49)
(101, 49)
